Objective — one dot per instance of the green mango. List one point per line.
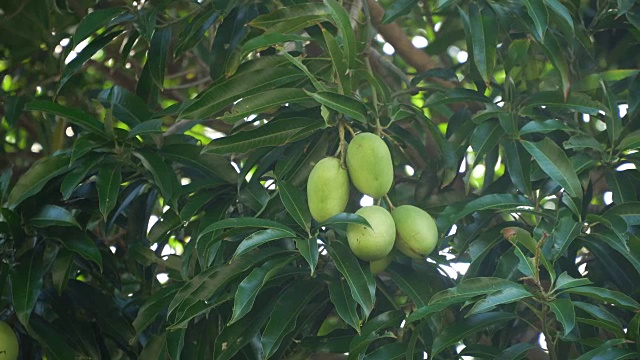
(370, 165)
(376, 242)
(417, 231)
(8, 342)
(327, 189)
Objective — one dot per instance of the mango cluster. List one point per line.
(410, 229)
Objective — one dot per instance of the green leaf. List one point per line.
(594, 81)
(345, 305)
(630, 141)
(343, 104)
(563, 235)
(397, 9)
(608, 296)
(345, 218)
(607, 348)
(54, 344)
(621, 184)
(175, 343)
(222, 94)
(291, 18)
(453, 213)
(370, 330)
(393, 351)
(148, 127)
(26, 282)
(155, 348)
(484, 138)
(163, 175)
(81, 58)
(412, 283)
(76, 176)
(484, 30)
(295, 202)
(108, 184)
(565, 281)
(31, 182)
(544, 126)
(456, 95)
(79, 242)
(602, 317)
(553, 161)
(210, 281)
(470, 288)
(343, 22)
(285, 314)
(518, 164)
(339, 63)
(274, 133)
(52, 215)
(612, 119)
(565, 313)
(246, 222)
(157, 55)
(210, 164)
(538, 13)
(267, 40)
(194, 31)
(249, 288)
(459, 330)
(61, 270)
(75, 116)
(298, 63)
(153, 306)
(554, 52)
(575, 102)
(517, 351)
(125, 106)
(502, 296)
(258, 238)
(266, 100)
(354, 274)
(560, 10)
(94, 22)
(308, 248)
(624, 6)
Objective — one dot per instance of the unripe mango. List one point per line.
(373, 243)
(8, 342)
(417, 231)
(327, 189)
(370, 165)
(378, 266)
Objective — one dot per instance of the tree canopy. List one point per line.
(155, 159)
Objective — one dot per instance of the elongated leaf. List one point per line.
(52, 215)
(308, 248)
(77, 175)
(75, 116)
(258, 238)
(26, 283)
(412, 283)
(538, 13)
(157, 55)
(455, 96)
(345, 305)
(147, 127)
(274, 133)
(93, 22)
(295, 203)
(565, 281)
(267, 40)
(600, 351)
(343, 104)
(371, 330)
(609, 296)
(565, 313)
(77, 241)
(488, 202)
(397, 9)
(603, 317)
(471, 325)
(194, 31)
(109, 180)
(222, 94)
(290, 18)
(564, 233)
(153, 307)
(560, 10)
(354, 274)
(163, 174)
(518, 165)
(544, 126)
(204, 285)
(343, 22)
(266, 100)
(485, 137)
(345, 218)
(285, 314)
(31, 182)
(554, 52)
(393, 351)
(576, 102)
(81, 58)
(470, 288)
(246, 222)
(210, 164)
(61, 270)
(555, 163)
(484, 30)
(249, 288)
(339, 63)
(503, 296)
